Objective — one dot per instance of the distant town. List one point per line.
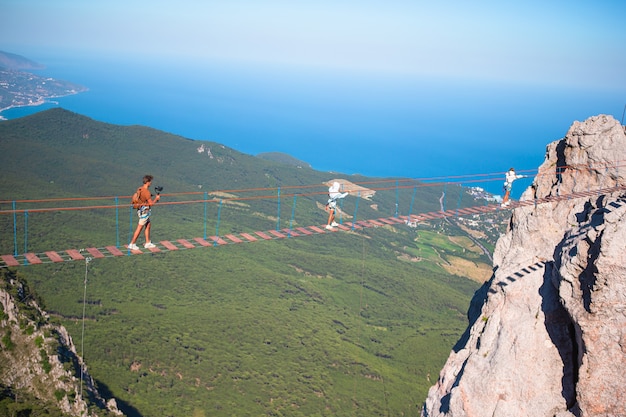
(18, 89)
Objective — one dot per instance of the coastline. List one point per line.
(22, 89)
(37, 103)
(40, 102)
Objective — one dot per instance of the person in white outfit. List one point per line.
(509, 177)
(331, 205)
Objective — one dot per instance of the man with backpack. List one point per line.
(142, 201)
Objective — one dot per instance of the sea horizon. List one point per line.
(336, 122)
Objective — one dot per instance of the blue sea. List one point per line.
(337, 121)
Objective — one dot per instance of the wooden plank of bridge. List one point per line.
(527, 203)
(263, 235)
(249, 237)
(32, 258)
(233, 238)
(75, 254)
(316, 229)
(470, 210)
(219, 240)
(202, 241)
(10, 260)
(376, 222)
(155, 249)
(114, 251)
(135, 251)
(344, 228)
(291, 232)
(276, 233)
(54, 257)
(304, 231)
(587, 193)
(186, 243)
(169, 245)
(95, 252)
(487, 209)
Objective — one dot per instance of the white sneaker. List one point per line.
(329, 227)
(334, 224)
(132, 246)
(149, 245)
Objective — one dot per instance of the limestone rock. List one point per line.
(547, 334)
(39, 357)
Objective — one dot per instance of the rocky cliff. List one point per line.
(40, 370)
(547, 333)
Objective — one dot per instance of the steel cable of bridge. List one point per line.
(412, 182)
(419, 182)
(422, 181)
(232, 238)
(385, 184)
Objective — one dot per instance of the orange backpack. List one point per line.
(136, 200)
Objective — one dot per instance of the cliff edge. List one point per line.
(547, 333)
(40, 371)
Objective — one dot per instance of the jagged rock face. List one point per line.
(590, 274)
(547, 334)
(32, 361)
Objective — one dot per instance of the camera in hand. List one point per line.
(158, 189)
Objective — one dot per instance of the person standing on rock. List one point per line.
(509, 177)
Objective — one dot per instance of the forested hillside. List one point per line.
(342, 323)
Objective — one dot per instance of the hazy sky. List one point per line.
(574, 43)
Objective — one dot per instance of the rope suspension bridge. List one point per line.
(363, 189)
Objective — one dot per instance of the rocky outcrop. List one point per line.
(547, 334)
(39, 358)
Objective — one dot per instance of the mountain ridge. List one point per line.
(283, 158)
(12, 61)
